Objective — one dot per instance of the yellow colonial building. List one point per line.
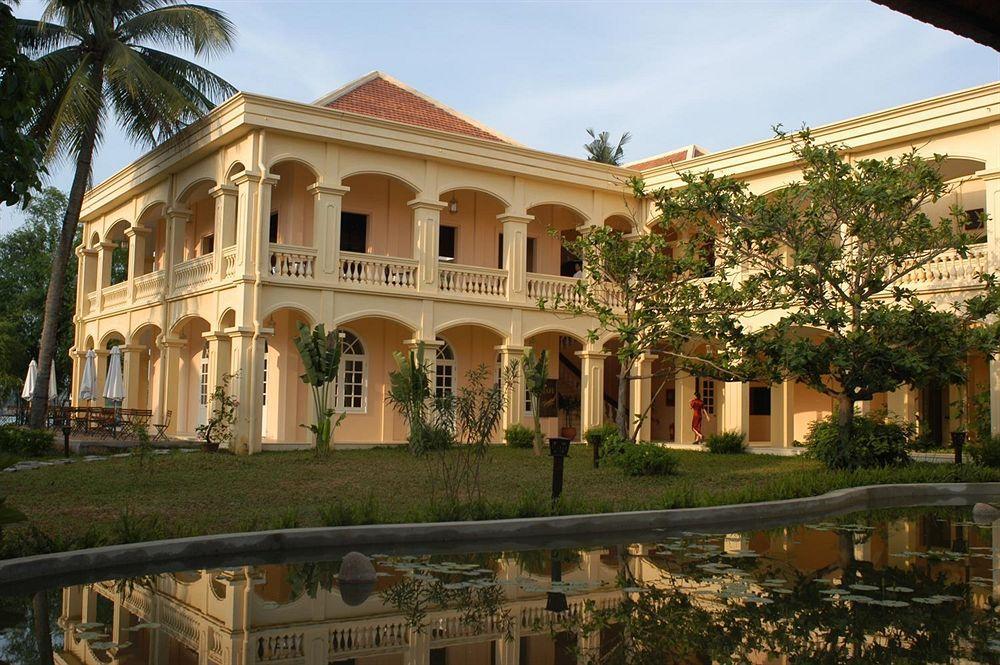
(383, 213)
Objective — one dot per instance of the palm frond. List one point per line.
(202, 29)
(73, 103)
(37, 37)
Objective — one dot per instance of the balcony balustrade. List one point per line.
(229, 262)
(950, 267)
(384, 271)
(114, 295)
(150, 286)
(293, 262)
(194, 272)
(473, 281)
(553, 289)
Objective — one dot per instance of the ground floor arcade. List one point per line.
(173, 374)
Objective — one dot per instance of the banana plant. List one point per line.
(320, 352)
(536, 375)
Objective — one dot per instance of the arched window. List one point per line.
(444, 370)
(351, 381)
(203, 386)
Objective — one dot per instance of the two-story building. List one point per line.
(395, 219)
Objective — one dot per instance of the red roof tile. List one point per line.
(381, 98)
(669, 158)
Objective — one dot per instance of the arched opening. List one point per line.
(375, 218)
(150, 368)
(471, 346)
(199, 231)
(469, 232)
(444, 369)
(620, 223)
(547, 255)
(110, 341)
(116, 270)
(368, 345)
(286, 399)
(291, 221)
(560, 404)
(151, 239)
(190, 394)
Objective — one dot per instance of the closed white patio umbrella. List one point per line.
(114, 386)
(53, 392)
(29, 381)
(88, 383)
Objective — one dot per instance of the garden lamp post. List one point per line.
(66, 427)
(559, 449)
(555, 601)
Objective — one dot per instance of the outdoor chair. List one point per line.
(161, 428)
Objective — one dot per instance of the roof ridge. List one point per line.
(690, 151)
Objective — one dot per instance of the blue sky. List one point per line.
(714, 73)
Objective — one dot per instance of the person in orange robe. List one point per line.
(698, 413)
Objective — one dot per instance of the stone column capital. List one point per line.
(321, 189)
(427, 205)
(505, 218)
(246, 177)
(223, 190)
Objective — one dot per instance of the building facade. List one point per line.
(384, 214)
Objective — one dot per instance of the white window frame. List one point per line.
(339, 396)
(203, 397)
(444, 358)
(708, 395)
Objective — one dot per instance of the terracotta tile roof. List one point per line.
(380, 96)
(668, 158)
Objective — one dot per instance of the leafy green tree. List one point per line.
(25, 263)
(836, 249)
(101, 57)
(600, 148)
(647, 288)
(320, 352)
(536, 375)
(22, 82)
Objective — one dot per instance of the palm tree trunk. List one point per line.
(57, 279)
(42, 628)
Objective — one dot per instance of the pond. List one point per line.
(915, 585)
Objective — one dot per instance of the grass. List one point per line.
(124, 500)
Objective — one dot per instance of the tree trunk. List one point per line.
(57, 279)
(845, 417)
(536, 407)
(42, 628)
(621, 417)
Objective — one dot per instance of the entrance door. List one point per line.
(263, 397)
(933, 412)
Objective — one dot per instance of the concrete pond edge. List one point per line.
(370, 537)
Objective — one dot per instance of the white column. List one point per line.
(264, 190)
(246, 206)
(514, 411)
(640, 394)
(783, 414)
(736, 408)
(327, 206)
(591, 388)
(177, 221)
(426, 229)
(247, 361)
(170, 360)
(515, 255)
(683, 393)
(902, 403)
(218, 361)
(132, 359)
(137, 238)
(104, 253)
(226, 197)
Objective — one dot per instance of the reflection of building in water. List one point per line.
(278, 615)
(250, 615)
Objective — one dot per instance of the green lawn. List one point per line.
(179, 494)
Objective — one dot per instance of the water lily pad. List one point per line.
(899, 589)
(864, 587)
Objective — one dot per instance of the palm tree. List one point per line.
(100, 56)
(601, 150)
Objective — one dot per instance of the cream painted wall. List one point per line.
(293, 203)
(548, 248)
(810, 405)
(390, 220)
(477, 230)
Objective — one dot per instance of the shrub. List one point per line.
(519, 436)
(646, 459)
(605, 432)
(22, 441)
(986, 453)
(726, 443)
(614, 445)
(874, 442)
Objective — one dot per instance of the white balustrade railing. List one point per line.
(280, 646)
(193, 272)
(553, 289)
(472, 280)
(372, 270)
(950, 267)
(229, 262)
(292, 261)
(149, 286)
(115, 295)
(367, 636)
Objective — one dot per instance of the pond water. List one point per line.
(892, 587)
